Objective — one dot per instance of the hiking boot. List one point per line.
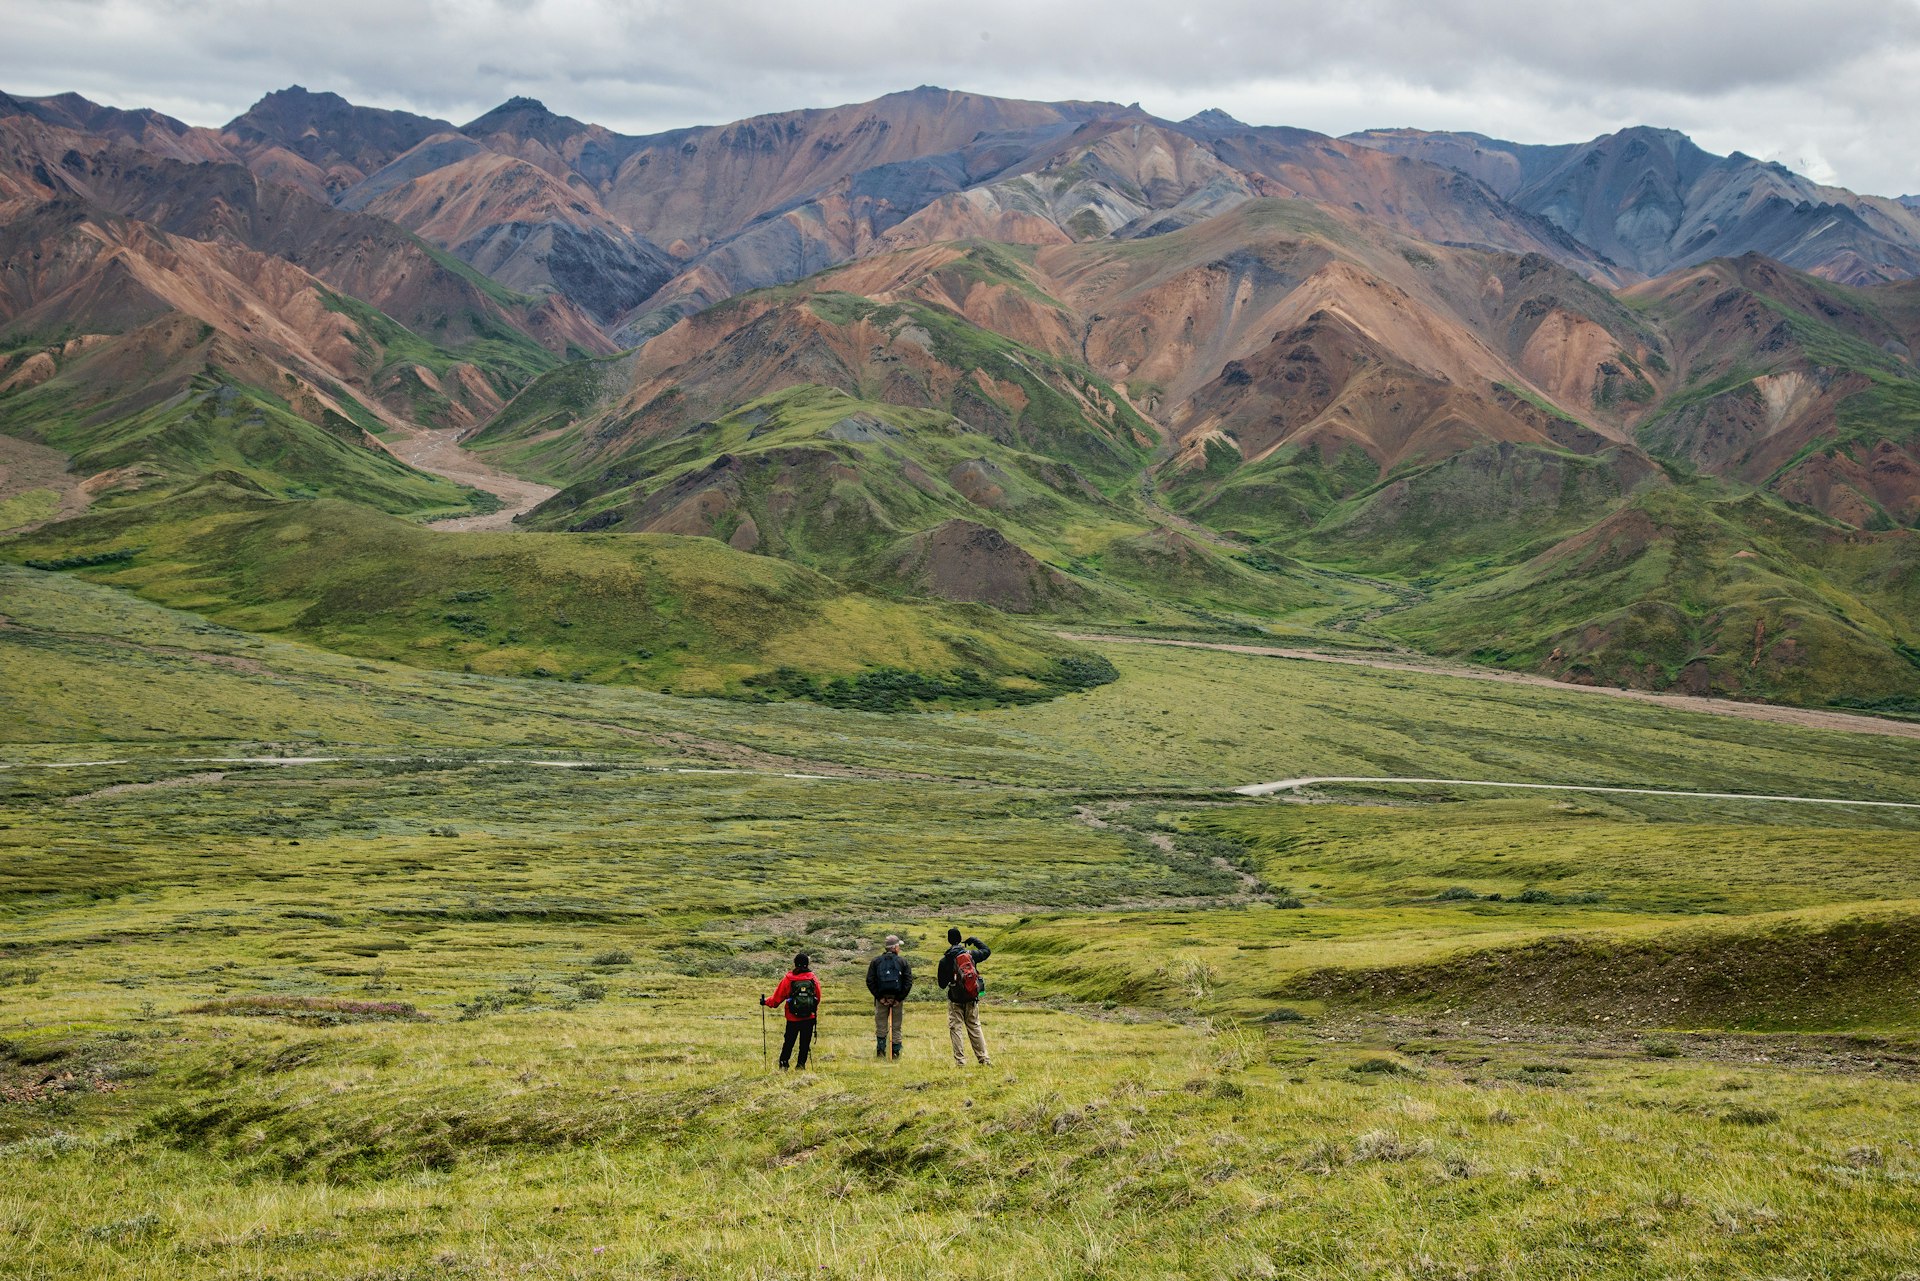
(880, 1047)
(896, 1049)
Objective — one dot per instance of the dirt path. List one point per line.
(439, 452)
(1295, 784)
(1807, 718)
(850, 773)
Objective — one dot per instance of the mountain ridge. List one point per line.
(1057, 359)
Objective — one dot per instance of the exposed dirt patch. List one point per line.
(232, 662)
(1824, 1052)
(121, 789)
(439, 452)
(1760, 973)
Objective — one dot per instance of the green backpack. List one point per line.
(803, 1000)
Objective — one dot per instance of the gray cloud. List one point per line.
(1818, 89)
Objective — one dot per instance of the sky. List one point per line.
(1825, 89)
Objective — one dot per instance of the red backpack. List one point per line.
(966, 975)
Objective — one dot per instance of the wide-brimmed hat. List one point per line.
(893, 940)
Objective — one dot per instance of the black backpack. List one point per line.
(803, 1000)
(886, 975)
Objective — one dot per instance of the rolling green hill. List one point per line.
(1702, 589)
(678, 614)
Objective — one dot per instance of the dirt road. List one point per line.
(1806, 717)
(1295, 784)
(439, 452)
(834, 773)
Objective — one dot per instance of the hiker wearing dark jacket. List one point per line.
(962, 981)
(799, 991)
(890, 980)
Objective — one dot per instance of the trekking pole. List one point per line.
(765, 1061)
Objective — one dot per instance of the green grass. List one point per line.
(28, 507)
(640, 1136)
(439, 1009)
(1576, 851)
(686, 615)
(1826, 971)
(89, 665)
(533, 424)
(1280, 496)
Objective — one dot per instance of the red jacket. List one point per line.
(785, 990)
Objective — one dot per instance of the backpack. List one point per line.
(966, 976)
(886, 975)
(803, 1000)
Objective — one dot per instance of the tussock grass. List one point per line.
(306, 1009)
(1190, 1080)
(646, 1136)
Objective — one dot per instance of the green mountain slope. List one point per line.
(1706, 591)
(213, 423)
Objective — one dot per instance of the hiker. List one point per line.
(890, 979)
(960, 976)
(800, 990)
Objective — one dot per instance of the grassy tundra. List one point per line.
(437, 1007)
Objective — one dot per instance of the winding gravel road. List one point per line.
(1295, 784)
(1250, 789)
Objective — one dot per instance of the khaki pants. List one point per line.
(963, 1025)
(888, 1014)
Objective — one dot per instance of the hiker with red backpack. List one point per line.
(960, 976)
(800, 991)
(890, 980)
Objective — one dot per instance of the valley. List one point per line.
(438, 452)
(1407, 645)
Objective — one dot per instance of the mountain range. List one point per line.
(1618, 411)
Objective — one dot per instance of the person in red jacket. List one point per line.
(800, 991)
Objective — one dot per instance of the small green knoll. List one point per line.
(675, 614)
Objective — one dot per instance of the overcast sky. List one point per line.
(1826, 88)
